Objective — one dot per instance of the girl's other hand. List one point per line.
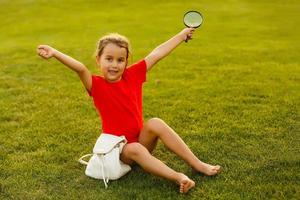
(45, 51)
(187, 33)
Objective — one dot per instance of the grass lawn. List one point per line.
(232, 94)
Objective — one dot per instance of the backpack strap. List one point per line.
(105, 180)
(83, 161)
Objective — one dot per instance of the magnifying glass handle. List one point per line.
(187, 39)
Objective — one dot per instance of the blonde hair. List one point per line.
(116, 39)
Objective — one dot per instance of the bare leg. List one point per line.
(156, 128)
(138, 153)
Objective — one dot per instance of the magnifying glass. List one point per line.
(192, 19)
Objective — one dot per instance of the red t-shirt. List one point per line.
(120, 104)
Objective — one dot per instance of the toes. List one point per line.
(186, 185)
(181, 188)
(189, 185)
(214, 170)
(217, 168)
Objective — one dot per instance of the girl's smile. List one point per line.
(112, 62)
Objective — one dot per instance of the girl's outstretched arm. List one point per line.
(47, 52)
(165, 48)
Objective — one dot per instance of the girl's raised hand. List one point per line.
(187, 33)
(45, 51)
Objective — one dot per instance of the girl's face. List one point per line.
(112, 62)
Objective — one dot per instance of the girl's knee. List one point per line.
(155, 120)
(153, 123)
(133, 149)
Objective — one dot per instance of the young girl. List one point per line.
(117, 95)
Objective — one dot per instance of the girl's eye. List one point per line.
(109, 59)
(120, 60)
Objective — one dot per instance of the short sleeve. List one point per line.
(138, 71)
(95, 79)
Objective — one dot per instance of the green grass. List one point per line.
(232, 94)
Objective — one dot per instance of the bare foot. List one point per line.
(185, 183)
(207, 169)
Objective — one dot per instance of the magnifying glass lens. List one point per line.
(193, 19)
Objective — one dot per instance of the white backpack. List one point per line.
(105, 162)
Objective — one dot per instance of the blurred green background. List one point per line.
(232, 93)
